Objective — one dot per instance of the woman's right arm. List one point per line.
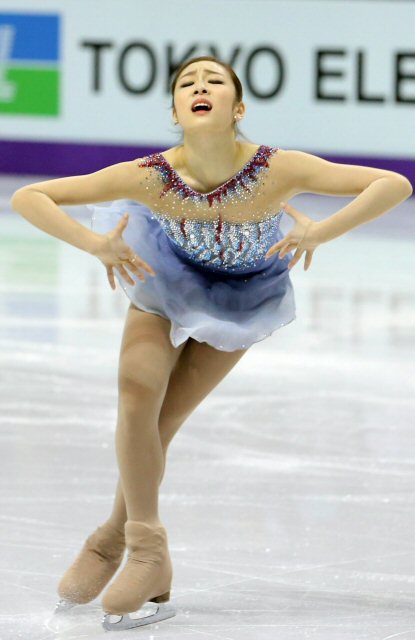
(39, 202)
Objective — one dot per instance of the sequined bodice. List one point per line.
(197, 225)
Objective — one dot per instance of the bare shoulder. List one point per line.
(116, 181)
(171, 155)
(292, 161)
(279, 161)
(140, 171)
(283, 159)
(303, 172)
(283, 170)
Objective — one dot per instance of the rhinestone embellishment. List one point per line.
(218, 243)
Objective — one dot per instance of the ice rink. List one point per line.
(289, 494)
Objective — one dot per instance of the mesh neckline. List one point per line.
(221, 186)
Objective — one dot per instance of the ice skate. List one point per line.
(93, 568)
(145, 579)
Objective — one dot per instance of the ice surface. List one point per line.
(289, 493)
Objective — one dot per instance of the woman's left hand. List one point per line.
(303, 237)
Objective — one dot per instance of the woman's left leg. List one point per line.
(199, 369)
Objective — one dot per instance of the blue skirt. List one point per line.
(228, 310)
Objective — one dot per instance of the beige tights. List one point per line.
(159, 386)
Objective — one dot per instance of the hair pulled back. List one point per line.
(237, 83)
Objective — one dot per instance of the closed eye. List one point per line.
(212, 81)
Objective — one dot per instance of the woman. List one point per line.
(206, 267)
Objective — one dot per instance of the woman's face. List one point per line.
(209, 80)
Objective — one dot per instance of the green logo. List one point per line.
(29, 64)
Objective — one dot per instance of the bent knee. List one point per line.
(141, 382)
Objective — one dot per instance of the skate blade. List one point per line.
(64, 605)
(64, 617)
(138, 618)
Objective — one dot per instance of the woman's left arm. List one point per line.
(377, 192)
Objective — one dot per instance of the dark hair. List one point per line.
(237, 83)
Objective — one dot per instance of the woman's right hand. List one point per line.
(114, 253)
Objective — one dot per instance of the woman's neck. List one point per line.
(209, 161)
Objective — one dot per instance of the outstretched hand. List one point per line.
(302, 236)
(115, 253)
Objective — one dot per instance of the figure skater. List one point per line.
(192, 234)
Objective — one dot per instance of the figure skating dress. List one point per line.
(208, 252)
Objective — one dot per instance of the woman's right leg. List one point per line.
(198, 370)
(136, 330)
(146, 360)
(118, 516)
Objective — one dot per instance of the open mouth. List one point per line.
(201, 107)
